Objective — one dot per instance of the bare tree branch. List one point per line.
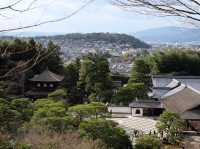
(24, 66)
(189, 9)
(29, 64)
(49, 21)
(11, 5)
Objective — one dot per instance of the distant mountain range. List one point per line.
(170, 35)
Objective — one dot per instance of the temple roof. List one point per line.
(146, 104)
(47, 76)
(170, 81)
(181, 99)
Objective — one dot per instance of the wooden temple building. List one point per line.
(146, 108)
(179, 94)
(42, 84)
(185, 101)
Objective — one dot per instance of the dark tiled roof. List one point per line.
(175, 77)
(47, 76)
(159, 92)
(169, 80)
(145, 104)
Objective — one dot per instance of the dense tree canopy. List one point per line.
(138, 86)
(53, 60)
(24, 107)
(141, 73)
(59, 94)
(16, 51)
(75, 93)
(170, 125)
(14, 113)
(91, 110)
(51, 115)
(22, 59)
(129, 93)
(10, 118)
(173, 61)
(95, 77)
(106, 131)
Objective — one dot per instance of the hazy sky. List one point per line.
(99, 16)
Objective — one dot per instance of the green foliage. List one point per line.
(148, 142)
(112, 136)
(95, 77)
(128, 93)
(74, 93)
(10, 118)
(138, 85)
(51, 115)
(24, 107)
(72, 74)
(22, 146)
(174, 61)
(105, 38)
(20, 51)
(94, 109)
(53, 60)
(141, 74)
(58, 94)
(13, 114)
(170, 124)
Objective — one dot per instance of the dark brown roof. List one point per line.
(47, 76)
(146, 104)
(181, 99)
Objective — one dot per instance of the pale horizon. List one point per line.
(99, 16)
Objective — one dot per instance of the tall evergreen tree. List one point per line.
(141, 74)
(75, 93)
(95, 77)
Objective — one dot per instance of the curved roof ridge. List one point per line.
(181, 99)
(174, 91)
(195, 90)
(55, 76)
(174, 83)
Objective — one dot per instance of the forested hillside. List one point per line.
(76, 45)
